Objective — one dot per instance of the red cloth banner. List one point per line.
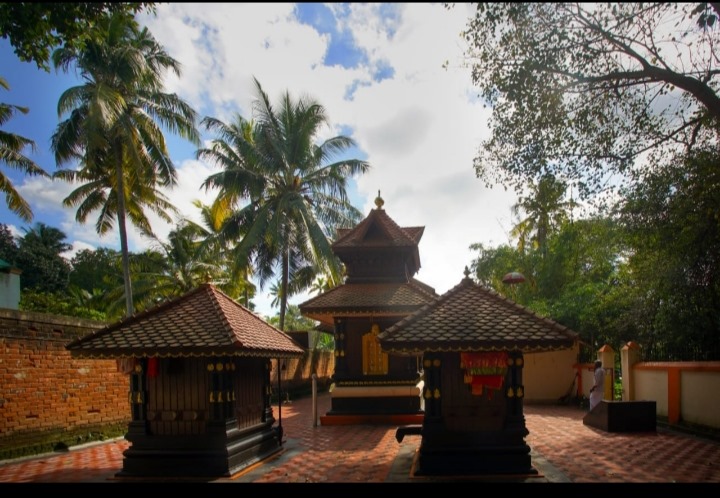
(491, 381)
(153, 367)
(486, 370)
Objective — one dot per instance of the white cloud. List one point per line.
(77, 246)
(419, 126)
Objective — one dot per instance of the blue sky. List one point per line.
(377, 69)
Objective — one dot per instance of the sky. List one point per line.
(376, 68)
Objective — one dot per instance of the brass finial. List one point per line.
(379, 202)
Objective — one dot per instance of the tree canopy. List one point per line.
(115, 127)
(34, 29)
(296, 194)
(585, 91)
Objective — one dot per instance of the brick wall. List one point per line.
(296, 378)
(49, 400)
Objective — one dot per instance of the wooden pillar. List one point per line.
(340, 338)
(228, 389)
(514, 388)
(267, 389)
(432, 392)
(215, 395)
(138, 398)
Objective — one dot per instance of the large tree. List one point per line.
(577, 283)
(40, 258)
(36, 28)
(8, 246)
(115, 129)
(586, 90)
(674, 228)
(96, 269)
(296, 197)
(11, 154)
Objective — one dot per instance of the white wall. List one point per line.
(652, 385)
(9, 290)
(699, 400)
(548, 376)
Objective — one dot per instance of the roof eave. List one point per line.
(110, 353)
(413, 347)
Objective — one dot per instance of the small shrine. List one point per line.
(199, 385)
(380, 258)
(472, 342)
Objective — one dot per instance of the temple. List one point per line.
(381, 259)
(472, 342)
(199, 390)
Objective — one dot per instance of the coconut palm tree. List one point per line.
(11, 147)
(182, 265)
(115, 128)
(213, 246)
(295, 197)
(544, 210)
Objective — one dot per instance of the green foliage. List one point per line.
(293, 320)
(35, 28)
(8, 247)
(295, 196)
(673, 224)
(322, 341)
(213, 244)
(32, 443)
(11, 155)
(573, 283)
(544, 209)
(583, 91)
(96, 269)
(39, 257)
(58, 303)
(114, 126)
(649, 273)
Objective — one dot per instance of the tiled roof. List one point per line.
(367, 297)
(470, 317)
(394, 235)
(203, 322)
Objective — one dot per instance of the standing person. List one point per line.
(598, 389)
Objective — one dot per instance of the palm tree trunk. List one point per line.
(284, 286)
(123, 238)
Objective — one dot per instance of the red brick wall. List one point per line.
(46, 396)
(297, 374)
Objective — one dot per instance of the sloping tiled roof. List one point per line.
(369, 297)
(470, 317)
(395, 236)
(203, 322)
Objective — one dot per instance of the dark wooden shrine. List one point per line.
(380, 260)
(199, 369)
(472, 341)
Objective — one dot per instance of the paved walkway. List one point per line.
(563, 450)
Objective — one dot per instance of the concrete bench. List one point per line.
(623, 416)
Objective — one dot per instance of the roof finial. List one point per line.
(379, 202)
(466, 272)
